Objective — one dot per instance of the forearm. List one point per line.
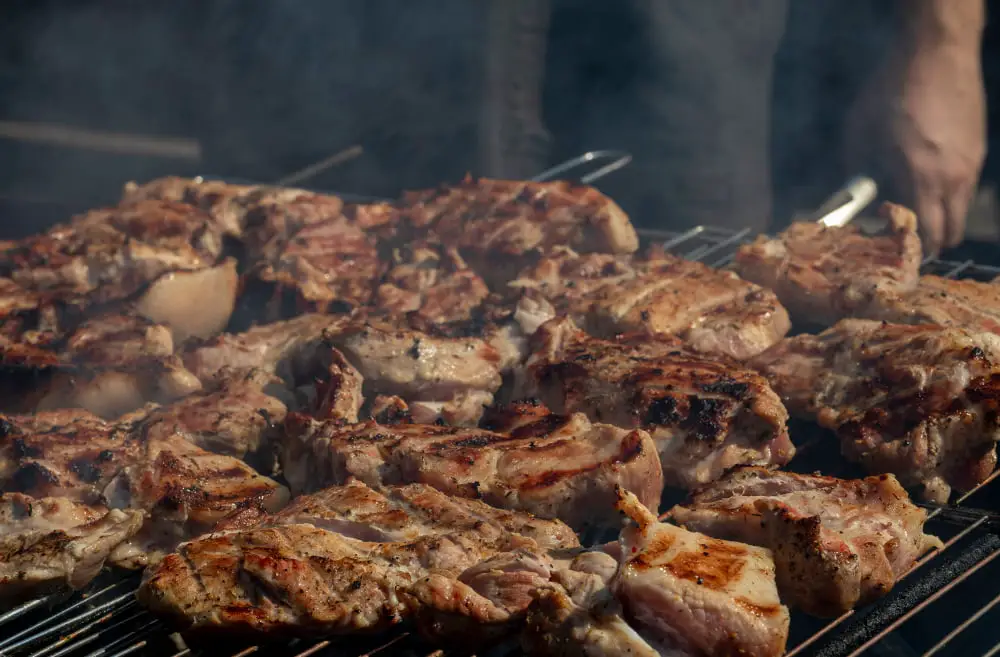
(954, 26)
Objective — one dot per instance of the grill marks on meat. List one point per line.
(836, 543)
(965, 303)
(111, 253)
(346, 559)
(277, 348)
(485, 218)
(706, 416)
(403, 513)
(239, 418)
(183, 488)
(240, 210)
(558, 467)
(698, 595)
(328, 266)
(823, 274)
(920, 402)
(452, 378)
(430, 285)
(53, 542)
(714, 311)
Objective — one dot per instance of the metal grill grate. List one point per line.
(948, 604)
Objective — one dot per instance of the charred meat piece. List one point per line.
(698, 595)
(53, 542)
(240, 209)
(558, 467)
(276, 348)
(706, 416)
(921, 402)
(438, 377)
(837, 543)
(184, 488)
(965, 303)
(110, 254)
(238, 418)
(822, 274)
(431, 285)
(295, 351)
(714, 311)
(346, 559)
(330, 266)
(487, 219)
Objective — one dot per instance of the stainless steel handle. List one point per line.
(846, 204)
(618, 159)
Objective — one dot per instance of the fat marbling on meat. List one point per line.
(706, 415)
(555, 467)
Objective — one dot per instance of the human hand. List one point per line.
(921, 123)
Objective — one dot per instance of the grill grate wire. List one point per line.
(105, 621)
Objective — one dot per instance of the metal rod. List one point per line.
(954, 272)
(76, 605)
(21, 610)
(248, 651)
(72, 635)
(924, 604)
(314, 649)
(386, 645)
(133, 648)
(964, 626)
(128, 599)
(619, 159)
(97, 635)
(317, 168)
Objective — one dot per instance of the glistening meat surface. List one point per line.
(837, 543)
(921, 402)
(698, 595)
(555, 467)
(822, 274)
(705, 415)
(714, 311)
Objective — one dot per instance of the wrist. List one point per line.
(953, 27)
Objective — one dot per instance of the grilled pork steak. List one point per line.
(921, 402)
(344, 560)
(705, 416)
(961, 303)
(837, 543)
(823, 274)
(430, 285)
(240, 210)
(53, 542)
(439, 377)
(558, 467)
(329, 266)
(697, 595)
(184, 488)
(496, 223)
(714, 311)
(403, 513)
(109, 254)
(278, 348)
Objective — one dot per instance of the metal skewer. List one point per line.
(847, 203)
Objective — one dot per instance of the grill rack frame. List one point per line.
(72, 622)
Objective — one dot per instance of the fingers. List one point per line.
(956, 210)
(931, 216)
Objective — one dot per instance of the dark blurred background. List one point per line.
(256, 89)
